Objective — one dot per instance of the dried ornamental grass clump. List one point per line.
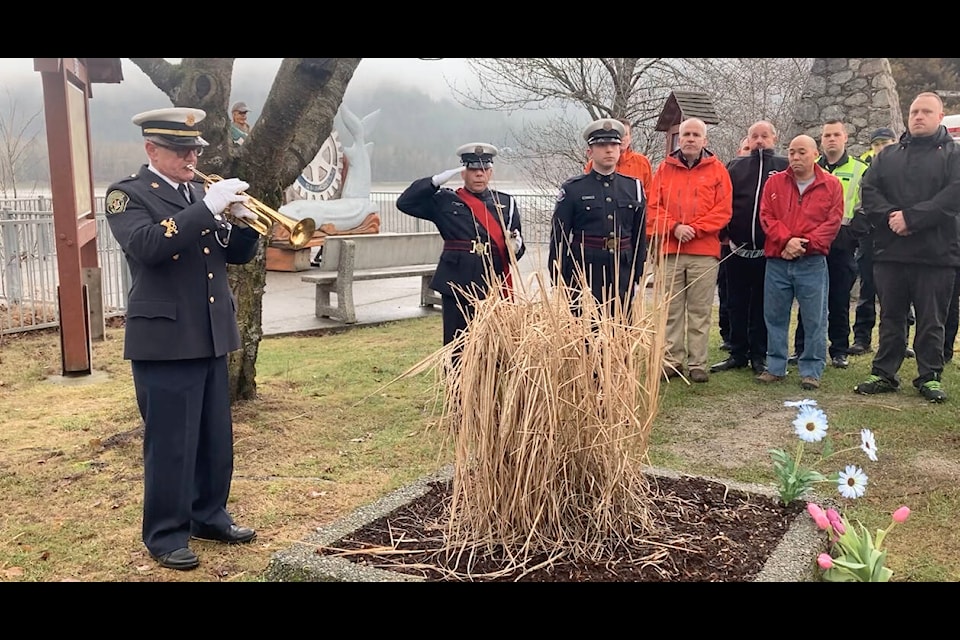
(550, 414)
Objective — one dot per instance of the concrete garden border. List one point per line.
(793, 560)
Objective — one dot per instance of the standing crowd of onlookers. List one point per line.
(772, 231)
(765, 231)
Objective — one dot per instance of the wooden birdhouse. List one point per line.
(681, 105)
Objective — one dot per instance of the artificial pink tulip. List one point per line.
(825, 561)
(901, 514)
(836, 521)
(818, 515)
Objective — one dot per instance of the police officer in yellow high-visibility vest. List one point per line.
(841, 264)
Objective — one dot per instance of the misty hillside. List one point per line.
(414, 134)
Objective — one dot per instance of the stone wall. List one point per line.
(859, 91)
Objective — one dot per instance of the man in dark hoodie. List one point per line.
(746, 266)
(911, 198)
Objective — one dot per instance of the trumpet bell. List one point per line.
(301, 231)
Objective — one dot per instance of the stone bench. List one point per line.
(353, 258)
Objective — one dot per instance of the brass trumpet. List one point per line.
(301, 231)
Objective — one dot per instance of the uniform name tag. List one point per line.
(588, 197)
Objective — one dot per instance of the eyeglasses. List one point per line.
(184, 152)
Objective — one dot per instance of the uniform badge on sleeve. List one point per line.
(560, 195)
(171, 226)
(116, 202)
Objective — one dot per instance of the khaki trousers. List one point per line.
(691, 286)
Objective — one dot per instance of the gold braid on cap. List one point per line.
(172, 132)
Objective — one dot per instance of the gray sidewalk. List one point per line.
(288, 302)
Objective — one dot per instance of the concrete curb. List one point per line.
(793, 560)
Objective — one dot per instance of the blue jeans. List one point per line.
(804, 279)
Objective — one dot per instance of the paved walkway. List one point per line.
(288, 302)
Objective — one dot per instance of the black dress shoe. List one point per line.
(729, 363)
(909, 353)
(794, 359)
(759, 366)
(724, 346)
(231, 535)
(840, 362)
(182, 559)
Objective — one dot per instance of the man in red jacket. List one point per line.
(690, 202)
(800, 211)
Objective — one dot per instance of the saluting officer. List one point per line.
(180, 326)
(479, 226)
(599, 224)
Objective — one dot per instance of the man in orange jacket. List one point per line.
(690, 202)
(632, 164)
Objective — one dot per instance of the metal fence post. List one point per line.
(11, 257)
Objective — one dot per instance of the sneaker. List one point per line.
(909, 353)
(840, 362)
(809, 384)
(859, 348)
(728, 364)
(699, 375)
(933, 391)
(794, 359)
(766, 378)
(873, 385)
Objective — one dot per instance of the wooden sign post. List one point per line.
(66, 96)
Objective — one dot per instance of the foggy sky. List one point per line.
(433, 76)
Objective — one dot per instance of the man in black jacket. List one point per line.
(180, 327)
(911, 197)
(746, 267)
(480, 228)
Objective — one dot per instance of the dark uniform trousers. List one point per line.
(187, 447)
(598, 234)
(928, 288)
(180, 327)
(748, 331)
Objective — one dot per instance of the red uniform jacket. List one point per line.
(816, 215)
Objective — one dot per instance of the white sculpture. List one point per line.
(354, 204)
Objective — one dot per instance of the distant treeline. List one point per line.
(414, 135)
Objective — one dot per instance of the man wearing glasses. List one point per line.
(180, 328)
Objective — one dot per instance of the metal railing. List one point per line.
(28, 262)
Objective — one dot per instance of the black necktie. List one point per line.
(183, 191)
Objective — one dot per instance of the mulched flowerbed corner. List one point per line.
(710, 533)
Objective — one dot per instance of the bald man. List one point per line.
(800, 211)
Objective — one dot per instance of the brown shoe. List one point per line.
(699, 375)
(671, 372)
(809, 384)
(766, 378)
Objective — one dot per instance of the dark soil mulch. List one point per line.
(710, 533)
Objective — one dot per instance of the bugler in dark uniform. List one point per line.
(599, 223)
(479, 226)
(180, 326)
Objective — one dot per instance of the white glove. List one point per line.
(517, 241)
(223, 193)
(445, 176)
(241, 213)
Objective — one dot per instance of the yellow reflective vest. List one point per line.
(849, 173)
